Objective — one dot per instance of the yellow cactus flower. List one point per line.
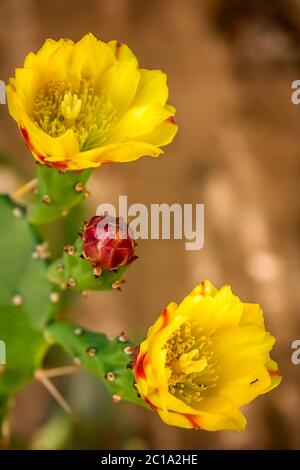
(79, 105)
(205, 358)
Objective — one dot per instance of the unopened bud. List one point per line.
(107, 243)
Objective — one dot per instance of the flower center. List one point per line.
(59, 107)
(192, 363)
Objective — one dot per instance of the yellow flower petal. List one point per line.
(205, 288)
(253, 315)
(152, 88)
(122, 52)
(126, 152)
(222, 417)
(243, 390)
(138, 121)
(224, 309)
(241, 350)
(274, 374)
(218, 414)
(42, 56)
(121, 81)
(90, 58)
(162, 135)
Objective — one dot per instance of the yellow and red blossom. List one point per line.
(79, 105)
(205, 358)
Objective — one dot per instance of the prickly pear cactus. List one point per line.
(31, 287)
(73, 117)
(28, 301)
(56, 193)
(72, 270)
(107, 359)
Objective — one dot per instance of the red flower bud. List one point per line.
(107, 243)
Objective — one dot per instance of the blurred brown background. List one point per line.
(230, 65)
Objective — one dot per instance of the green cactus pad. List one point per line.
(56, 194)
(25, 349)
(25, 299)
(100, 356)
(73, 266)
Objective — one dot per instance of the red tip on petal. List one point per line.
(59, 165)
(25, 135)
(117, 50)
(138, 364)
(171, 120)
(146, 400)
(192, 421)
(165, 317)
(273, 373)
